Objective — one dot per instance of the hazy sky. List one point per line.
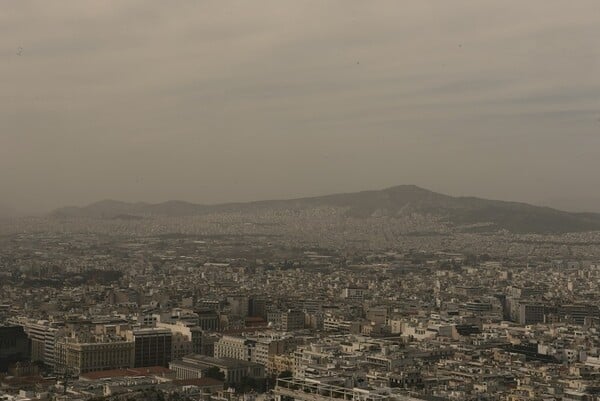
(212, 101)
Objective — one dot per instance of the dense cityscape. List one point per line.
(269, 200)
(129, 309)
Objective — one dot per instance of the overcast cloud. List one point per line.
(213, 101)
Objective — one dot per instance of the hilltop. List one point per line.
(484, 214)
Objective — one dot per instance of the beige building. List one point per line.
(81, 357)
(253, 349)
(232, 347)
(264, 348)
(181, 343)
(280, 363)
(43, 336)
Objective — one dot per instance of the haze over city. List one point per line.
(305, 200)
(227, 101)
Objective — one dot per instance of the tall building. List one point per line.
(239, 305)
(531, 313)
(14, 346)
(37, 335)
(265, 348)
(577, 313)
(233, 347)
(292, 320)
(78, 357)
(253, 349)
(197, 336)
(195, 366)
(152, 346)
(208, 320)
(181, 343)
(208, 344)
(52, 335)
(43, 336)
(257, 307)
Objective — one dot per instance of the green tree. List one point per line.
(215, 373)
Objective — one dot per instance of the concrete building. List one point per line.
(280, 363)
(203, 343)
(197, 335)
(78, 357)
(153, 346)
(354, 293)
(14, 346)
(195, 366)
(37, 335)
(239, 305)
(292, 320)
(233, 347)
(265, 348)
(377, 315)
(181, 343)
(257, 307)
(43, 336)
(208, 320)
(531, 313)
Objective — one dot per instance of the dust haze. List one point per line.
(228, 101)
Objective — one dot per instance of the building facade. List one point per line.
(153, 346)
(76, 357)
(14, 346)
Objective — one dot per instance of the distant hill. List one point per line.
(481, 214)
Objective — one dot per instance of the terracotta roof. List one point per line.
(132, 372)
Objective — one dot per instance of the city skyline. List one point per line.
(300, 201)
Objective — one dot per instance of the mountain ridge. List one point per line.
(389, 202)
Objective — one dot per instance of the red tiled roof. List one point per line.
(146, 371)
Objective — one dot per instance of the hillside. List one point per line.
(489, 215)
